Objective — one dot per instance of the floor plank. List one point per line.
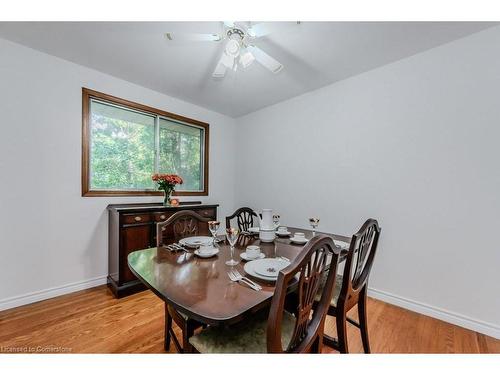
(93, 321)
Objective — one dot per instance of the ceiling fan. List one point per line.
(239, 48)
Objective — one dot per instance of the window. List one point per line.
(124, 143)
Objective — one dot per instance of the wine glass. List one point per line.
(213, 226)
(314, 222)
(232, 237)
(276, 221)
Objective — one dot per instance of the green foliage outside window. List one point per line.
(122, 150)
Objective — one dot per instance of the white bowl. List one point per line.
(244, 256)
(299, 240)
(215, 251)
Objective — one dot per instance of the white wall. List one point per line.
(414, 144)
(50, 236)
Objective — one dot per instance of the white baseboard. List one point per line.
(435, 312)
(11, 302)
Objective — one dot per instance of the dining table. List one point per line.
(201, 289)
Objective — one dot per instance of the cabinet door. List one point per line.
(135, 237)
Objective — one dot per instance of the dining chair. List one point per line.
(180, 225)
(276, 330)
(244, 217)
(351, 288)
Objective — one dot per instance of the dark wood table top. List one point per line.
(200, 288)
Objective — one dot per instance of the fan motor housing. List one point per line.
(235, 33)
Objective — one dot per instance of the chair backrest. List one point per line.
(244, 216)
(359, 263)
(182, 224)
(305, 272)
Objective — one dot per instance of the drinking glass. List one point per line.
(276, 221)
(232, 237)
(213, 226)
(314, 222)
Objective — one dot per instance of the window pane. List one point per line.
(181, 153)
(121, 149)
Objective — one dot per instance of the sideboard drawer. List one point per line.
(136, 218)
(161, 216)
(207, 212)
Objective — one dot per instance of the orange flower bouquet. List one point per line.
(167, 182)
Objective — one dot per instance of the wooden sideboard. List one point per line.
(133, 227)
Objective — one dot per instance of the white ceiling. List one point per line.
(314, 54)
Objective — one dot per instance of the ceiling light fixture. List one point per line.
(239, 49)
(246, 58)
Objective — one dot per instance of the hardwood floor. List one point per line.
(93, 321)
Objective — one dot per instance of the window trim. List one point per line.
(87, 95)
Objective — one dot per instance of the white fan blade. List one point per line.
(262, 29)
(225, 62)
(220, 70)
(266, 60)
(188, 37)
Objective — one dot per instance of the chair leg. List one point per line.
(363, 322)
(187, 332)
(330, 341)
(342, 331)
(168, 328)
(317, 346)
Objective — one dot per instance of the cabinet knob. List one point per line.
(137, 218)
(162, 217)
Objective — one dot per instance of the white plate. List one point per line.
(299, 241)
(245, 257)
(195, 241)
(254, 229)
(269, 267)
(283, 234)
(248, 267)
(343, 245)
(211, 254)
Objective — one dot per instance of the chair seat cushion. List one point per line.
(248, 336)
(336, 289)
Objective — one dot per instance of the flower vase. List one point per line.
(166, 197)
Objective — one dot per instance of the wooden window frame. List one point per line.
(87, 95)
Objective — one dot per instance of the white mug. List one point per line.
(299, 235)
(282, 229)
(253, 251)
